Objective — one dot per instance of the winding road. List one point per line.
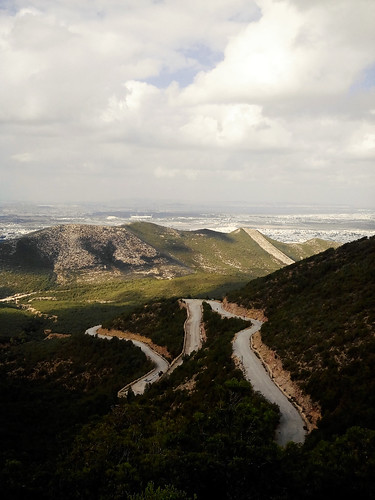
(291, 426)
(139, 385)
(192, 342)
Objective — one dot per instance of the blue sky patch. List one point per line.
(198, 58)
(365, 81)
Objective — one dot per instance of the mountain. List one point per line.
(241, 251)
(148, 249)
(89, 250)
(321, 323)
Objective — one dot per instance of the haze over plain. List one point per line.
(229, 100)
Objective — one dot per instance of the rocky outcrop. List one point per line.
(80, 248)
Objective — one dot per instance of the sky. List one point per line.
(215, 102)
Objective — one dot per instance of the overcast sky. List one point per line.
(216, 101)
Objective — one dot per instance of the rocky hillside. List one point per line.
(321, 323)
(83, 249)
(90, 252)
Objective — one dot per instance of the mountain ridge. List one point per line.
(146, 249)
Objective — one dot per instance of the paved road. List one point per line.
(192, 329)
(193, 340)
(161, 364)
(291, 426)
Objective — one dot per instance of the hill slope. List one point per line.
(83, 248)
(92, 252)
(322, 324)
(237, 252)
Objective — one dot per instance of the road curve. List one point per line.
(291, 426)
(192, 342)
(161, 367)
(161, 364)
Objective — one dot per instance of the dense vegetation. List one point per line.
(48, 388)
(200, 429)
(161, 321)
(17, 322)
(204, 433)
(322, 324)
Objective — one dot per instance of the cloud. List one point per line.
(23, 157)
(234, 125)
(147, 98)
(292, 54)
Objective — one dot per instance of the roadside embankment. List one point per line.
(163, 351)
(242, 311)
(309, 410)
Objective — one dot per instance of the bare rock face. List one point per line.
(80, 248)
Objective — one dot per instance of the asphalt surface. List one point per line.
(193, 340)
(161, 364)
(161, 367)
(291, 426)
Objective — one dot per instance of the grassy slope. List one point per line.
(221, 252)
(209, 250)
(80, 306)
(322, 324)
(299, 251)
(15, 281)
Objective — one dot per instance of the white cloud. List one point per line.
(362, 143)
(162, 172)
(291, 54)
(282, 95)
(23, 157)
(234, 125)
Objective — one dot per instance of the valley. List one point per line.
(203, 429)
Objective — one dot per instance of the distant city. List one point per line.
(282, 223)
